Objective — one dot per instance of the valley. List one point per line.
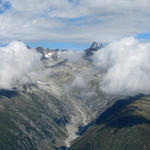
(46, 114)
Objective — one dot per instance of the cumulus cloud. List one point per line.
(81, 89)
(17, 64)
(126, 67)
(79, 82)
(72, 56)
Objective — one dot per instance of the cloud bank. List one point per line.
(79, 83)
(72, 56)
(80, 21)
(18, 64)
(126, 67)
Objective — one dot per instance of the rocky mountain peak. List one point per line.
(96, 45)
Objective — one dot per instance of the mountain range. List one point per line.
(46, 114)
(66, 109)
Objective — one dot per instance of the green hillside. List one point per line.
(26, 122)
(124, 126)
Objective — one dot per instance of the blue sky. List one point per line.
(60, 45)
(144, 36)
(4, 6)
(73, 24)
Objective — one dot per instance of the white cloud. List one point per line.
(126, 67)
(79, 83)
(72, 56)
(17, 64)
(80, 21)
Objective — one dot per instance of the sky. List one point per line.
(73, 24)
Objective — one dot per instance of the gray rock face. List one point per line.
(46, 52)
(94, 47)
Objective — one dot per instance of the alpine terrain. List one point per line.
(71, 101)
(46, 114)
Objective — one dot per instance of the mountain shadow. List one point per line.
(8, 93)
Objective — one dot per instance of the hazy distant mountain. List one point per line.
(46, 52)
